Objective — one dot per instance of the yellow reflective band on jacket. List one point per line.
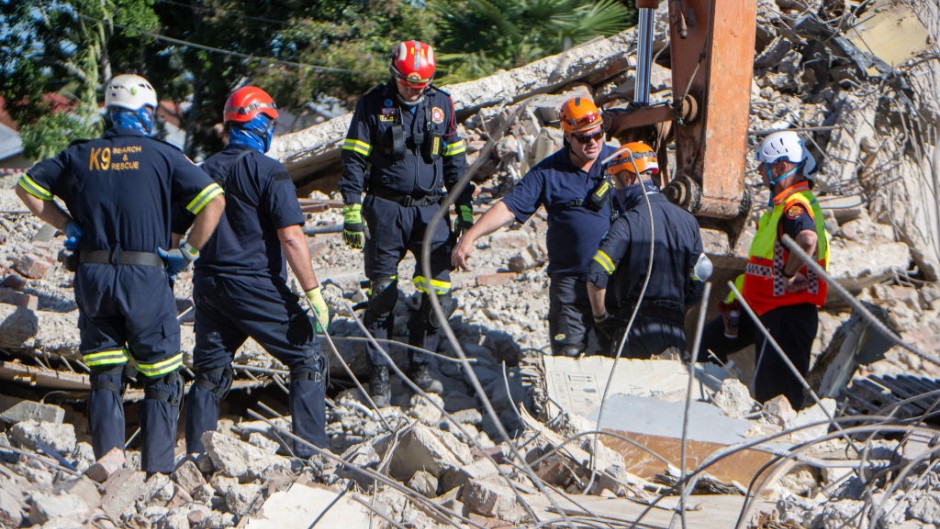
(764, 284)
(204, 197)
(738, 284)
(604, 260)
(455, 149)
(33, 188)
(105, 358)
(440, 288)
(161, 368)
(360, 147)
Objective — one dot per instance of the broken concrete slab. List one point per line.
(299, 506)
(188, 476)
(14, 410)
(121, 491)
(421, 448)
(44, 507)
(33, 435)
(489, 498)
(238, 459)
(577, 384)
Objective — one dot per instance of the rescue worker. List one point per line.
(403, 150)
(570, 184)
(679, 267)
(119, 191)
(784, 293)
(240, 283)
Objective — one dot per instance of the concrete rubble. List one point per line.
(869, 100)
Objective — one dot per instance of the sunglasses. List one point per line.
(585, 138)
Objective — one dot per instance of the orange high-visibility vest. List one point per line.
(764, 283)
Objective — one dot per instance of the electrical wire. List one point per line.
(188, 44)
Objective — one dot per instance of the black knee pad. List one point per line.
(306, 372)
(426, 315)
(383, 297)
(217, 381)
(167, 388)
(109, 378)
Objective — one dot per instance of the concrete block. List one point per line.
(14, 410)
(32, 434)
(82, 487)
(121, 491)
(238, 459)
(19, 299)
(188, 476)
(107, 466)
(458, 477)
(423, 410)
(12, 503)
(423, 483)
(31, 266)
(490, 499)
(423, 448)
(44, 507)
(302, 503)
(238, 498)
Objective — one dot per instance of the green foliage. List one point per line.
(479, 37)
(60, 47)
(53, 132)
(296, 49)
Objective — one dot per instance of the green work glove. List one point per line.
(464, 219)
(353, 234)
(320, 310)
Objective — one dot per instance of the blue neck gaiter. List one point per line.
(140, 120)
(631, 196)
(256, 133)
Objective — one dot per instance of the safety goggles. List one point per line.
(412, 80)
(586, 138)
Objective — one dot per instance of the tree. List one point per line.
(62, 48)
(478, 37)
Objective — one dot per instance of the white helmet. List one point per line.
(786, 144)
(129, 91)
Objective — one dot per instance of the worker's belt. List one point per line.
(407, 201)
(118, 257)
(667, 310)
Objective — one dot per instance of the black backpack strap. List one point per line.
(226, 178)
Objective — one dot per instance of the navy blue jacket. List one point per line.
(574, 232)
(621, 263)
(369, 162)
(121, 188)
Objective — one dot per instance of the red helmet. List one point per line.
(413, 63)
(246, 103)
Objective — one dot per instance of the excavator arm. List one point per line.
(711, 55)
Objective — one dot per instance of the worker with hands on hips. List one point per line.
(570, 184)
(120, 191)
(782, 291)
(618, 272)
(240, 285)
(403, 152)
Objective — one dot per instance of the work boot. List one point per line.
(422, 377)
(380, 386)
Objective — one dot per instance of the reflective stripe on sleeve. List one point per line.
(204, 197)
(360, 147)
(455, 149)
(604, 260)
(105, 358)
(33, 188)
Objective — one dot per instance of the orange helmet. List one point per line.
(246, 103)
(579, 114)
(413, 63)
(637, 153)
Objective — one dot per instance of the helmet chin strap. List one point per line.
(772, 182)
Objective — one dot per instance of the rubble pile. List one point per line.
(870, 104)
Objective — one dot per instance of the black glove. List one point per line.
(608, 330)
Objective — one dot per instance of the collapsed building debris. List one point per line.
(863, 457)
